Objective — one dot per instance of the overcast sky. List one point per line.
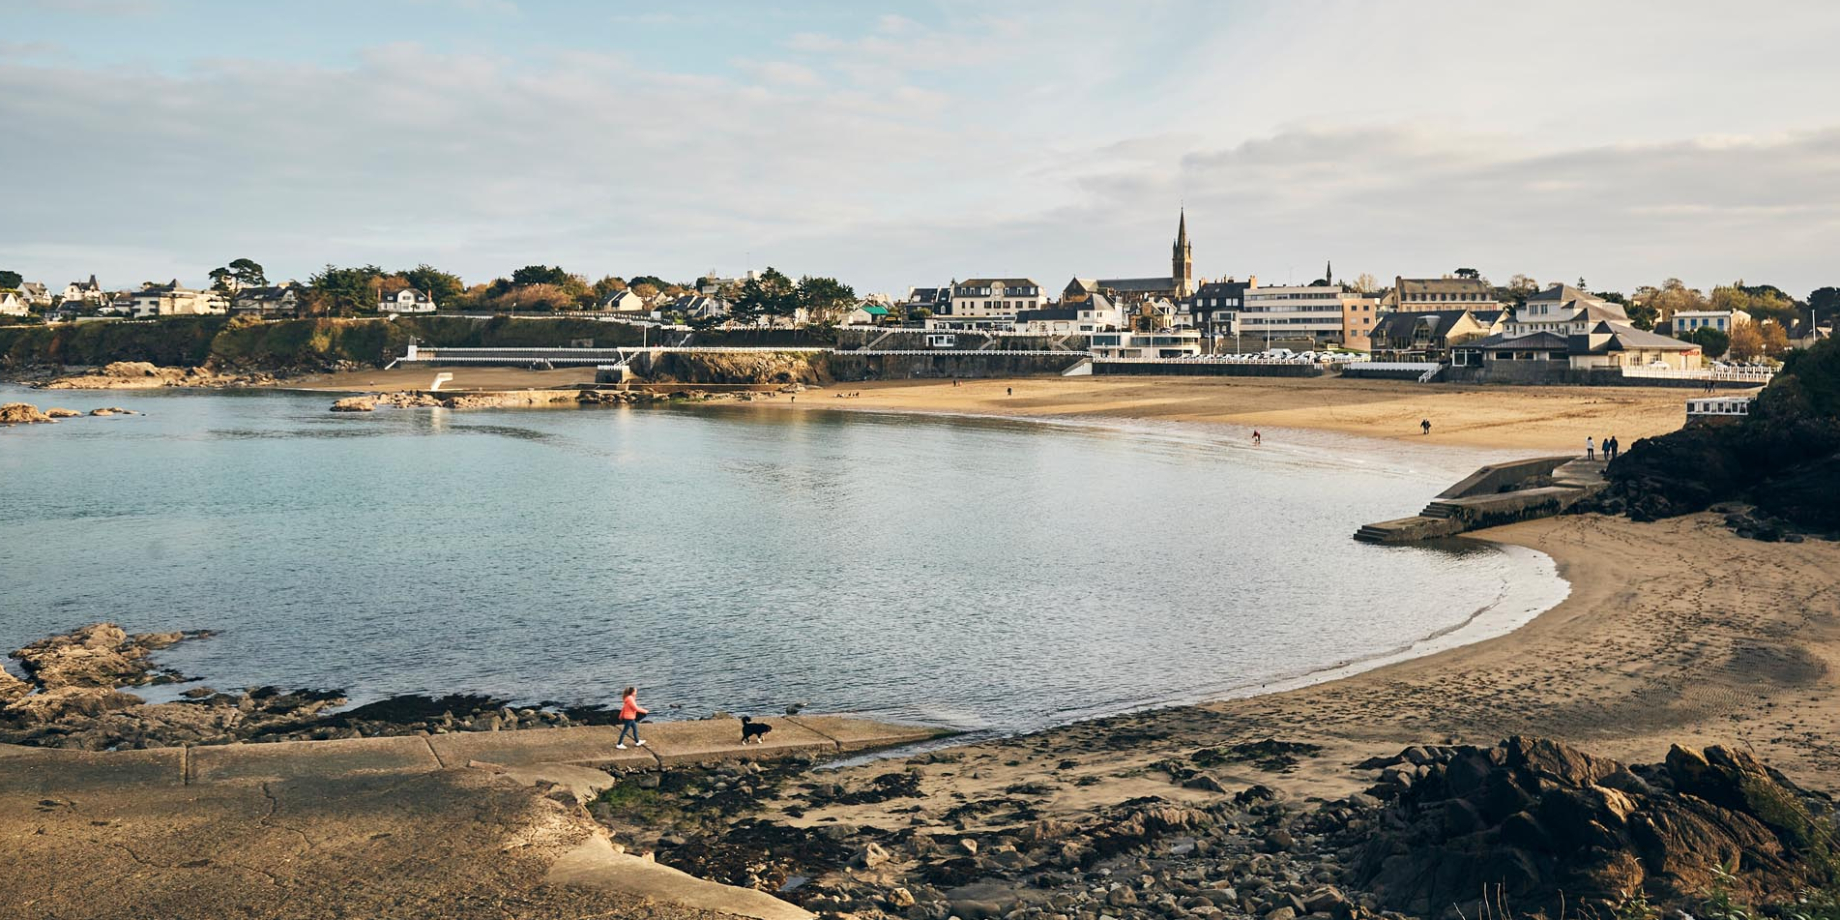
(906, 144)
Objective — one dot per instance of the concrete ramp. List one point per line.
(596, 864)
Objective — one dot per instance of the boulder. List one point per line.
(21, 414)
(55, 412)
(355, 404)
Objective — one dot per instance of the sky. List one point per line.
(906, 144)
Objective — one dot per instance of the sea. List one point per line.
(977, 574)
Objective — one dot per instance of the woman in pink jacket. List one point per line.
(630, 712)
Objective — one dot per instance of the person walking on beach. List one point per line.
(1009, 391)
(1590, 448)
(1257, 439)
(630, 712)
(1424, 425)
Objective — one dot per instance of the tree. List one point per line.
(1714, 342)
(652, 280)
(1469, 273)
(443, 287)
(607, 287)
(1658, 304)
(1746, 341)
(645, 290)
(543, 298)
(11, 280)
(771, 294)
(240, 275)
(1824, 301)
(1774, 336)
(540, 274)
(1365, 282)
(825, 299)
(344, 291)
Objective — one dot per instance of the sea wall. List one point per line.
(847, 366)
(1204, 369)
(1498, 476)
(1550, 373)
(883, 339)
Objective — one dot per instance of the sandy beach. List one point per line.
(1535, 419)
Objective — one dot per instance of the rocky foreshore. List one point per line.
(73, 697)
(142, 375)
(1527, 827)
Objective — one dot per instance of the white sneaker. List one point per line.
(641, 744)
(621, 746)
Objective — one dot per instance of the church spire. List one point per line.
(1182, 263)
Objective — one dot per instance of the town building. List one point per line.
(35, 293)
(277, 300)
(1292, 312)
(407, 300)
(995, 298)
(13, 303)
(1171, 343)
(1429, 335)
(1214, 309)
(1605, 346)
(697, 307)
(1564, 310)
(1421, 295)
(1805, 334)
(1687, 322)
(175, 299)
(87, 291)
(866, 314)
(625, 301)
(1360, 313)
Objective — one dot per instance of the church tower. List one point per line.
(1182, 263)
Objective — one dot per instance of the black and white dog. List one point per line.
(755, 731)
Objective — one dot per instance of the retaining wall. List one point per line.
(1203, 369)
(847, 366)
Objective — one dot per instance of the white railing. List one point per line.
(1420, 366)
(1762, 375)
(986, 352)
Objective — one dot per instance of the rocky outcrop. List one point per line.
(500, 399)
(98, 655)
(66, 703)
(141, 375)
(1531, 821)
(63, 413)
(21, 414)
(737, 367)
(12, 688)
(1778, 458)
(112, 410)
(355, 404)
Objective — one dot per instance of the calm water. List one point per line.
(977, 574)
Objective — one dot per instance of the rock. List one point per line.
(871, 856)
(969, 845)
(12, 688)
(1542, 817)
(1281, 913)
(21, 414)
(900, 899)
(112, 410)
(65, 702)
(62, 413)
(355, 404)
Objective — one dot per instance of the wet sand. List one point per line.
(1535, 419)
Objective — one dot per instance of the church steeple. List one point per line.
(1182, 262)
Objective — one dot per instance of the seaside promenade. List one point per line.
(453, 825)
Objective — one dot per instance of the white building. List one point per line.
(12, 303)
(1687, 322)
(34, 293)
(995, 298)
(1292, 312)
(278, 300)
(88, 291)
(407, 300)
(1170, 343)
(625, 302)
(174, 299)
(1564, 310)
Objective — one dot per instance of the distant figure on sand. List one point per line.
(1424, 425)
(1257, 439)
(1009, 391)
(630, 714)
(1590, 448)
(1612, 447)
